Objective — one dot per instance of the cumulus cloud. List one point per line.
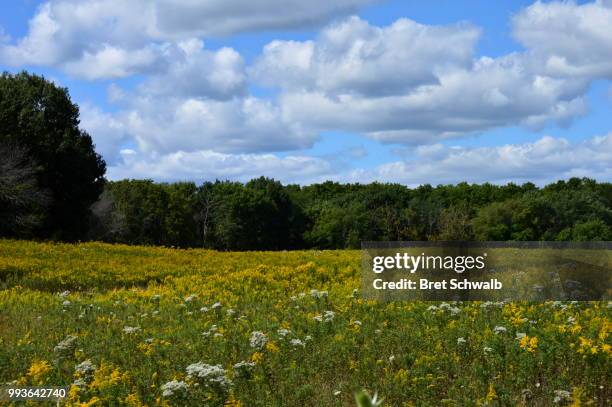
(193, 71)
(355, 57)
(464, 99)
(405, 83)
(206, 165)
(107, 131)
(113, 62)
(112, 38)
(542, 161)
(569, 39)
(245, 124)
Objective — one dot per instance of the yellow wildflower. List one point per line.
(272, 347)
(38, 371)
(257, 357)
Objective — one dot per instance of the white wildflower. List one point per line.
(190, 298)
(318, 294)
(561, 396)
(64, 294)
(66, 303)
(174, 387)
(211, 375)
(520, 335)
(487, 349)
(66, 346)
(328, 316)
(131, 329)
(216, 305)
(499, 329)
(297, 342)
(337, 392)
(454, 310)
(80, 382)
(85, 368)
(283, 332)
(211, 331)
(461, 341)
(258, 340)
(244, 365)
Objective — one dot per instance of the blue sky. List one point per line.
(353, 90)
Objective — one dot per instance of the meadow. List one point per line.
(136, 326)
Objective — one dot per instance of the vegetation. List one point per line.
(265, 215)
(38, 119)
(128, 325)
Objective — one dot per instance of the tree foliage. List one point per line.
(22, 201)
(263, 214)
(39, 117)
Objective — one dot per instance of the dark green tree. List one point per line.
(22, 201)
(39, 116)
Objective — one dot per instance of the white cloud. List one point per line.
(355, 57)
(208, 165)
(569, 39)
(113, 38)
(405, 83)
(542, 161)
(108, 132)
(489, 93)
(193, 71)
(245, 124)
(112, 62)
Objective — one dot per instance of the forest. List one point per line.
(263, 214)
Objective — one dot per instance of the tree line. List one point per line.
(52, 186)
(263, 214)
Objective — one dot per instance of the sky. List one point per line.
(411, 92)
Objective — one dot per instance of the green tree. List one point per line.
(40, 117)
(22, 201)
(180, 228)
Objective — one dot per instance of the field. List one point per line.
(139, 326)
